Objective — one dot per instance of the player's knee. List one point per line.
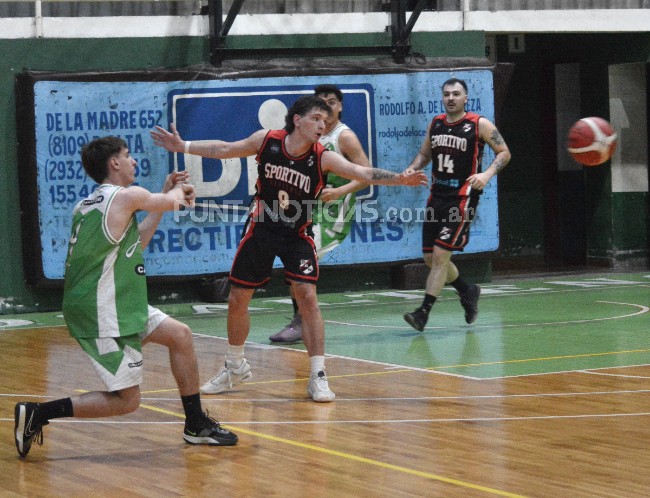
(440, 258)
(180, 337)
(183, 335)
(308, 302)
(129, 399)
(237, 301)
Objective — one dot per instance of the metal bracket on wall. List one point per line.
(399, 48)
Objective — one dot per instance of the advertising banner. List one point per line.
(388, 112)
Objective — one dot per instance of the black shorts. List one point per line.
(257, 250)
(448, 221)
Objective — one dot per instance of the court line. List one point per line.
(608, 367)
(547, 358)
(387, 398)
(435, 370)
(223, 313)
(233, 424)
(353, 457)
(411, 471)
(615, 375)
(644, 309)
(326, 306)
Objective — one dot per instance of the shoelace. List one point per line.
(296, 320)
(321, 382)
(38, 437)
(211, 421)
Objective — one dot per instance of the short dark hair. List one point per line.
(96, 153)
(327, 89)
(453, 81)
(301, 107)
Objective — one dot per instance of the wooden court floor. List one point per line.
(546, 395)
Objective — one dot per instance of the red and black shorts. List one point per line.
(448, 220)
(257, 250)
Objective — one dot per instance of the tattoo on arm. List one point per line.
(382, 174)
(496, 138)
(500, 165)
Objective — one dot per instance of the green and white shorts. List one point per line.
(118, 360)
(332, 224)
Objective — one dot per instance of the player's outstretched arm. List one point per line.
(350, 147)
(331, 161)
(216, 149)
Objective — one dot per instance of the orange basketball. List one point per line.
(592, 141)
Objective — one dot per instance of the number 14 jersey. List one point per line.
(456, 154)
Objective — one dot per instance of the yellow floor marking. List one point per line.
(355, 458)
(548, 358)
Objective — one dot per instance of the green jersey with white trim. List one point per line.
(105, 291)
(332, 220)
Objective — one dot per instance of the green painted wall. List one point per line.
(451, 44)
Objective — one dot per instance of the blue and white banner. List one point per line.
(389, 113)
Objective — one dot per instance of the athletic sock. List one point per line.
(58, 408)
(235, 354)
(317, 363)
(192, 407)
(460, 285)
(295, 306)
(428, 302)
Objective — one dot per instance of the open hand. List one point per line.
(171, 141)
(413, 178)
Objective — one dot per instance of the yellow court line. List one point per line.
(463, 365)
(303, 379)
(355, 458)
(407, 370)
(524, 360)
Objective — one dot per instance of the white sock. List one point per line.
(235, 355)
(317, 363)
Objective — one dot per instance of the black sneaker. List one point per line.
(469, 301)
(208, 431)
(29, 427)
(417, 319)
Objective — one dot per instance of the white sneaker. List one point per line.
(227, 377)
(318, 388)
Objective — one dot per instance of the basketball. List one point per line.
(592, 141)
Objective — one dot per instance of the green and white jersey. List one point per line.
(332, 221)
(331, 142)
(105, 292)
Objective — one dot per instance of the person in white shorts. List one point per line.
(105, 301)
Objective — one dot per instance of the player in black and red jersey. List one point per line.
(454, 145)
(292, 171)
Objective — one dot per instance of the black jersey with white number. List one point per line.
(456, 154)
(287, 186)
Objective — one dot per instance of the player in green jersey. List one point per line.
(105, 301)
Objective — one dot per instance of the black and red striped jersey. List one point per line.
(456, 154)
(287, 186)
